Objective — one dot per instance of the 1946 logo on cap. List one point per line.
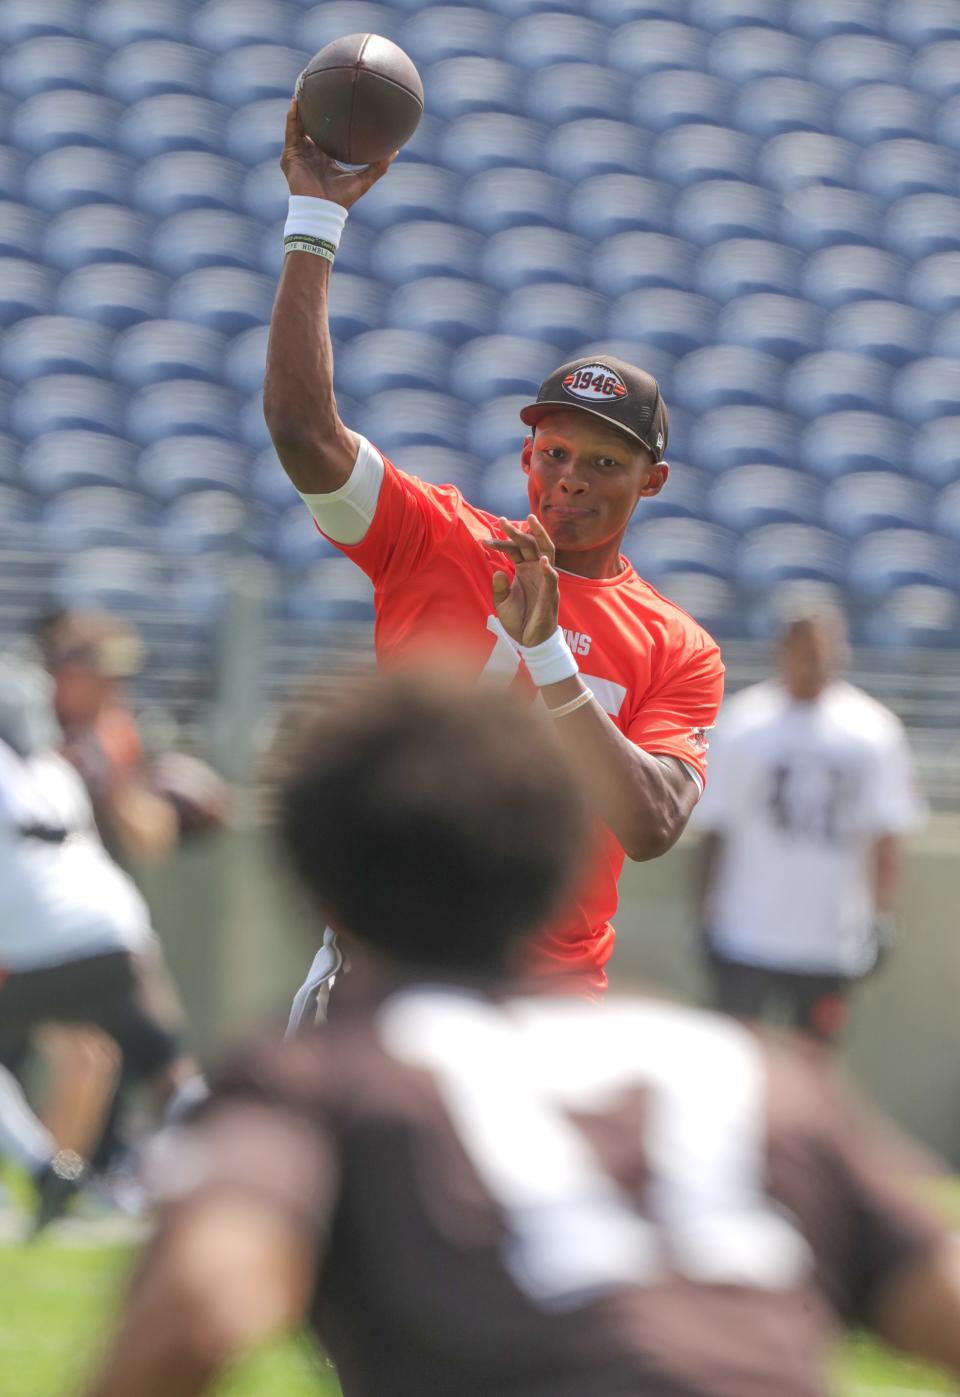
(595, 383)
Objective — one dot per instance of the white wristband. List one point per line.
(315, 218)
(549, 662)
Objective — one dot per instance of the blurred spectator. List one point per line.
(804, 816)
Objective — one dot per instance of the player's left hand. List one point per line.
(528, 605)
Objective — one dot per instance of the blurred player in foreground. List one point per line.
(810, 799)
(76, 946)
(550, 604)
(468, 1193)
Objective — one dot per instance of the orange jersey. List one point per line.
(651, 667)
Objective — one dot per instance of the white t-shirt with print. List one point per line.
(65, 899)
(800, 792)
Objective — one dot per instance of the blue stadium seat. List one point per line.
(18, 515)
(867, 501)
(245, 360)
(935, 452)
(225, 298)
(12, 167)
(743, 436)
(676, 321)
(439, 465)
(603, 205)
(74, 175)
(742, 54)
(117, 22)
(319, 26)
(946, 336)
(538, 40)
(629, 261)
(413, 250)
(180, 465)
(677, 96)
(167, 349)
(596, 146)
(820, 19)
(740, 266)
(413, 191)
(181, 407)
(42, 64)
(255, 133)
(800, 158)
(493, 366)
(843, 442)
(766, 614)
(522, 256)
(9, 460)
(50, 120)
(662, 546)
(29, 19)
(934, 283)
(66, 402)
(502, 487)
(382, 360)
(917, 615)
(332, 593)
(555, 312)
(897, 169)
(722, 208)
(567, 92)
(512, 198)
(513, 9)
(820, 215)
(254, 74)
(482, 140)
(495, 430)
(51, 344)
(269, 483)
(928, 389)
(881, 112)
(451, 308)
(265, 193)
(221, 25)
(717, 15)
(203, 522)
(25, 289)
(59, 460)
(947, 124)
(726, 375)
(838, 275)
(709, 600)
(205, 238)
(96, 516)
(786, 326)
(893, 558)
(150, 67)
(296, 541)
(115, 293)
(923, 22)
(883, 329)
(849, 60)
(937, 69)
(458, 86)
(748, 497)
(687, 155)
(21, 230)
(172, 121)
(648, 46)
(685, 496)
(770, 107)
(777, 553)
(836, 382)
(617, 12)
(96, 233)
(123, 580)
(945, 512)
(188, 179)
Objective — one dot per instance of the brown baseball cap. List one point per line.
(626, 397)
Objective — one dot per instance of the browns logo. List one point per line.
(595, 383)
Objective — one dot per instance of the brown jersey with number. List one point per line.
(546, 1198)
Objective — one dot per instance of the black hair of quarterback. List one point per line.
(437, 822)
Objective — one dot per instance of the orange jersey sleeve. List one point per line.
(675, 717)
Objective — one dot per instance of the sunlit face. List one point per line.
(585, 479)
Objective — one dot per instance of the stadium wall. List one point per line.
(239, 939)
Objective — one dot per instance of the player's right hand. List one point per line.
(309, 171)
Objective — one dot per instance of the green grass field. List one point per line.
(56, 1301)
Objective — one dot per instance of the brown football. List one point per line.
(360, 98)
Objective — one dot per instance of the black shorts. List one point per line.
(124, 995)
(816, 1004)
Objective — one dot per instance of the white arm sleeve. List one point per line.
(346, 514)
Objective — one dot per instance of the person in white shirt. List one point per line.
(76, 945)
(811, 795)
